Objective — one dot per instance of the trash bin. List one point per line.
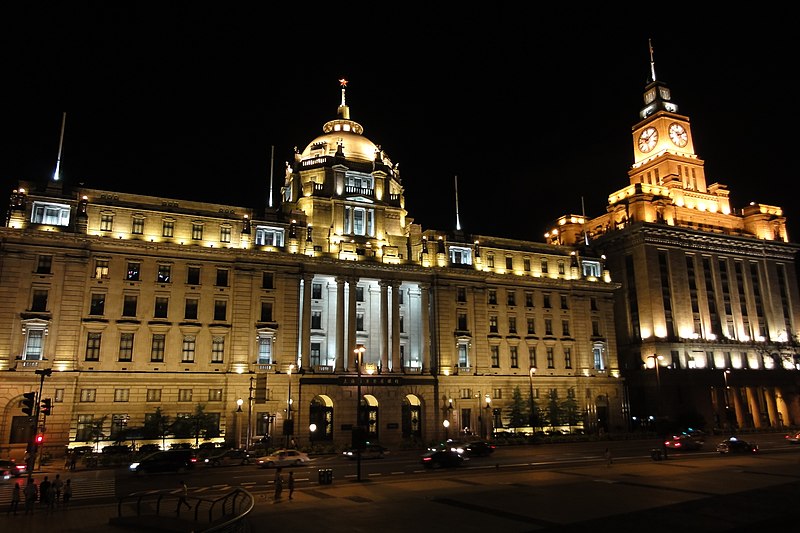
(325, 476)
(655, 453)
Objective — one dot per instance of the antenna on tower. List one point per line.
(583, 212)
(271, 168)
(652, 61)
(57, 173)
(458, 222)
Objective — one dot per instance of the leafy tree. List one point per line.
(198, 424)
(96, 432)
(553, 411)
(516, 417)
(157, 426)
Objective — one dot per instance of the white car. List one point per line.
(283, 458)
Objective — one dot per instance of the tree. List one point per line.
(516, 417)
(198, 424)
(569, 409)
(553, 410)
(157, 426)
(533, 412)
(96, 431)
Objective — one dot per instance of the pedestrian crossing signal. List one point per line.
(28, 401)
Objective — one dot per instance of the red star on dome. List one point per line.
(343, 82)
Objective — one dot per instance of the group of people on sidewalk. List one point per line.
(49, 494)
(279, 485)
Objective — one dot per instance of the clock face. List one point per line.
(678, 134)
(648, 139)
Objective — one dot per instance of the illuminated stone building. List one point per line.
(709, 292)
(258, 315)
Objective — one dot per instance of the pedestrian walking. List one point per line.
(607, 455)
(290, 484)
(72, 460)
(57, 489)
(278, 486)
(44, 491)
(182, 500)
(16, 495)
(30, 496)
(67, 494)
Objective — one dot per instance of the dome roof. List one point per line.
(345, 135)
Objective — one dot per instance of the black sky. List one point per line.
(531, 110)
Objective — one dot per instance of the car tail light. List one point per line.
(193, 459)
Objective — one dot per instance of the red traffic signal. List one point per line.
(46, 406)
(28, 401)
(39, 438)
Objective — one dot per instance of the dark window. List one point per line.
(193, 275)
(266, 311)
(129, 305)
(162, 305)
(44, 264)
(164, 272)
(222, 277)
(190, 309)
(133, 272)
(316, 291)
(220, 310)
(39, 301)
(267, 280)
(98, 304)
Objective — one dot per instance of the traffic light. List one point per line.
(46, 406)
(28, 402)
(39, 438)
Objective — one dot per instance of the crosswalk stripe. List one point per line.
(85, 489)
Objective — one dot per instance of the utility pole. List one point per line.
(33, 444)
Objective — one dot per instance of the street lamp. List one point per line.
(532, 406)
(359, 355)
(239, 403)
(656, 359)
(288, 429)
(446, 424)
(249, 437)
(488, 401)
(727, 400)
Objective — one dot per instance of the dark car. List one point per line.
(178, 460)
(736, 445)
(477, 448)
(13, 468)
(228, 458)
(371, 451)
(441, 458)
(683, 442)
(793, 438)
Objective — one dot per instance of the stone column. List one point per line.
(397, 365)
(352, 284)
(384, 317)
(305, 329)
(340, 339)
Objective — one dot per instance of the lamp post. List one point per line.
(727, 401)
(311, 429)
(446, 424)
(532, 406)
(239, 403)
(288, 426)
(359, 355)
(488, 417)
(656, 359)
(249, 437)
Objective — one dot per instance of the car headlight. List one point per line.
(134, 466)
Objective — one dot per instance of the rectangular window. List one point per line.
(544, 266)
(512, 325)
(168, 228)
(106, 222)
(492, 297)
(126, 347)
(157, 346)
(44, 264)
(526, 264)
(58, 396)
(495, 351)
(153, 395)
(593, 303)
(214, 395)
(122, 395)
(88, 395)
(33, 344)
(490, 260)
(359, 321)
(101, 269)
(84, 428)
(548, 326)
(225, 234)
(93, 346)
(266, 311)
(567, 357)
(220, 310)
(267, 280)
(528, 299)
(514, 355)
(134, 268)
(316, 291)
(162, 306)
(190, 309)
(193, 275)
(561, 267)
(52, 214)
(97, 306)
(222, 277)
(595, 328)
(461, 321)
(316, 319)
(197, 232)
(129, 302)
(511, 298)
(39, 301)
(187, 351)
(546, 303)
(463, 355)
(266, 236)
(184, 395)
(532, 356)
(564, 302)
(316, 352)
(264, 350)
(359, 293)
(461, 294)
(565, 328)
(509, 262)
(218, 349)
(119, 421)
(164, 274)
(493, 324)
(137, 226)
(550, 357)
(531, 326)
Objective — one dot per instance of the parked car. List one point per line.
(736, 445)
(12, 468)
(228, 458)
(176, 460)
(441, 458)
(683, 442)
(371, 451)
(793, 438)
(283, 457)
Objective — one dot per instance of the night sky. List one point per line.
(531, 110)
